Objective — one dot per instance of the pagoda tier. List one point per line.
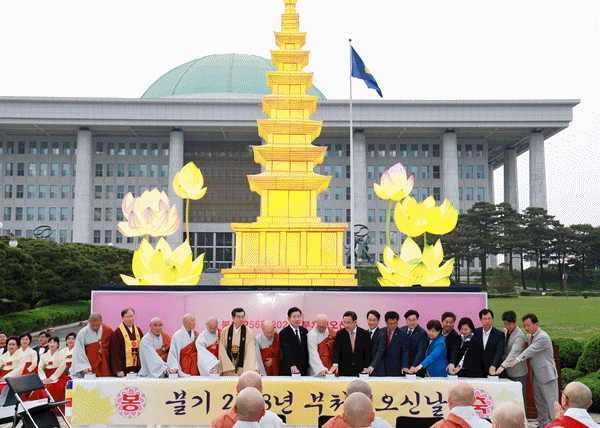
(288, 244)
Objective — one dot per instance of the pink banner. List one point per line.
(263, 306)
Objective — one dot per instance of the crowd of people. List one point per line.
(438, 350)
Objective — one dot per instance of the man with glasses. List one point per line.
(572, 410)
(543, 370)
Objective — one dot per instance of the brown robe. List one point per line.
(100, 363)
(452, 421)
(214, 348)
(274, 353)
(188, 357)
(117, 352)
(325, 349)
(336, 422)
(227, 419)
(164, 351)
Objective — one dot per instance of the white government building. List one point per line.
(67, 163)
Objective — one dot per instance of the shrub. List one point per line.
(592, 381)
(492, 291)
(570, 351)
(42, 318)
(585, 294)
(589, 362)
(569, 375)
(525, 293)
(557, 293)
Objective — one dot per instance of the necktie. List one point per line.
(298, 336)
(372, 331)
(352, 340)
(389, 337)
(410, 333)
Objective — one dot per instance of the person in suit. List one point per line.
(2, 342)
(377, 366)
(43, 339)
(351, 349)
(543, 370)
(417, 342)
(514, 344)
(469, 361)
(294, 345)
(493, 342)
(451, 337)
(396, 344)
(436, 359)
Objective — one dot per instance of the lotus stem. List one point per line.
(424, 240)
(187, 219)
(387, 225)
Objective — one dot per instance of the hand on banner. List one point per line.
(333, 369)
(450, 368)
(369, 369)
(120, 374)
(294, 369)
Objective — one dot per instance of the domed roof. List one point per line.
(217, 74)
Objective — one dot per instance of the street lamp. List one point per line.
(12, 241)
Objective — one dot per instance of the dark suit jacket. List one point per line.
(37, 351)
(492, 354)
(378, 345)
(473, 363)
(452, 346)
(294, 353)
(393, 354)
(352, 363)
(417, 345)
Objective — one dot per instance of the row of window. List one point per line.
(30, 214)
(108, 191)
(33, 171)
(423, 172)
(402, 150)
(469, 194)
(121, 149)
(42, 192)
(44, 148)
(338, 194)
(469, 171)
(133, 170)
(63, 234)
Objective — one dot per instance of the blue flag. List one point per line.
(360, 71)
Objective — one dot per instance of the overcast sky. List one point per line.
(426, 50)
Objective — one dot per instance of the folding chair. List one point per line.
(282, 417)
(41, 416)
(410, 422)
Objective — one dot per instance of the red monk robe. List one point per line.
(214, 348)
(188, 358)
(100, 362)
(274, 353)
(566, 422)
(164, 351)
(325, 349)
(452, 421)
(120, 360)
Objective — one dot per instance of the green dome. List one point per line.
(217, 74)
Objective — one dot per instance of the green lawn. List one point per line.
(573, 317)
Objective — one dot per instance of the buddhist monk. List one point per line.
(320, 346)
(91, 351)
(154, 350)
(207, 345)
(267, 345)
(183, 355)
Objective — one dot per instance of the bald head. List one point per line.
(321, 322)
(358, 410)
(360, 386)
(508, 415)
(461, 394)
(95, 317)
(156, 326)
(250, 405)
(212, 325)
(577, 396)
(189, 322)
(249, 380)
(95, 322)
(268, 329)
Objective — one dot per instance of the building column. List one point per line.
(511, 179)
(175, 165)
(537, 171)
(450, 168)
(491, 196)
(359, 173)
(83, 188)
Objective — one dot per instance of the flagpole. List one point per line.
(352, 243)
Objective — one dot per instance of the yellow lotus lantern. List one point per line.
(188, 182)
(160, 265)
(413, 218)
(150, 213)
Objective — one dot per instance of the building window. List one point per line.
(459, 170)
(436, 151)
(370, 194)
(132, 151)
(21, 148)
(7, 213)
(119, 237)
(131, 189)
(154, 170)
(96, 236)
(97, 214)
(165, 149)
(393, 237)
(30, 213)
(41, 214)
(469, 150)
(97, 192)
(381, 150)
(32, 148)
(436, 194)
(392, 151)
(143, 189)
(479, 150)
(20, 169)
(380, 170)
(327, 194)
(119, 214)
(154, 149)
(109, 192)
(327, 153)
(43, 148)
(121, 149)
(120, 170)
(29, 233)
(460, 196)
(327, 170)
(108, 214)
(99, 148)
(110, 170)
(316, 169)
(382, 238)
(8, 191)
(480, 194)
(164, 171)
(459, 150)
(339, 150)
(64, 214)
(425, 150)
(371, 171)
(18, 213)
(131, 170)
(348, 193)
(20, 191)
(469, 172)
(403, 150)
(10, 147)
(382, 214)
(52, 214)
(371, 216)
(31, 172)
(469, 193)
(424, 171)
(64, 192)
(42, 194)
(415, 193)
(414, 150)
(338, 171)
(143, 149)
(414, 170)
(436, 171)
(327, 216)
(63, 236)
(480, 173)
(348, 216)
(65, 169)
(120, 192)
(318, 212)
(30, 191)
(9, 169)
(43, 170)
(425, 193)
(371, 150)
(98, 170)
(347, 171)
(338, 216)
(338, 193)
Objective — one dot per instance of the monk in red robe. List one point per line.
(91, 352)
(270, 353)
(572, 410)
(320, 346)
(183, 355)
(125, 345)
